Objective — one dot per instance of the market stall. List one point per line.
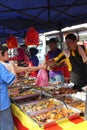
(48, 108)
(24, 122)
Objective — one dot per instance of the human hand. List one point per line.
(50, 63)
(26, 75)
(42, 66)
(49, 68)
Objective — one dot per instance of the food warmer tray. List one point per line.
(48, 117)
(40, 105)
(74, 102)
(26, 95)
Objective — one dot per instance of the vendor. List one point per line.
(76, 58)
(56, 73)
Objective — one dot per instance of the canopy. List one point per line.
(16, 16)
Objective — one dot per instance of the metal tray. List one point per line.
(28, 93)
(74, 102)
(48, 117)
(31, 99)
(40, 105)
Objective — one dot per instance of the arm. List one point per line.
(52, 63)
(57, 61)
(34, 68)
(19, 69)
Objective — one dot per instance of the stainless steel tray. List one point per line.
(31, 99)
(48, 117)
(28, 93)
(40, 105)
(74, 102)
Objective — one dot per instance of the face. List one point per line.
(5, 57)
(52, 46)
(71, 44)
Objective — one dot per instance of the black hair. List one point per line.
(52, 40)
(23, 45)
(3, 49)
(33, 51)
(71, 36)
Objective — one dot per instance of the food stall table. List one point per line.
(80, 126)
(24, 122)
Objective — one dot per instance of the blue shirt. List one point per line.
(6, 79)
(34, 60)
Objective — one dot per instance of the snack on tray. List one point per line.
(52, 115)
(40, 105)
(63, 90)
(75, 103)
(28, 92)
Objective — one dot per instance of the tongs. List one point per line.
(24, 89)
(62, 102)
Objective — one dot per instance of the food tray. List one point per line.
(23, 82)
(31, 99)
(13, 90)
(48, 117)
(40, 105)
(27, 94)
(74, 102)
(63, 90)
(24, 98)
(16, 90)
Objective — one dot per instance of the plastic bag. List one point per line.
(42, 78)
